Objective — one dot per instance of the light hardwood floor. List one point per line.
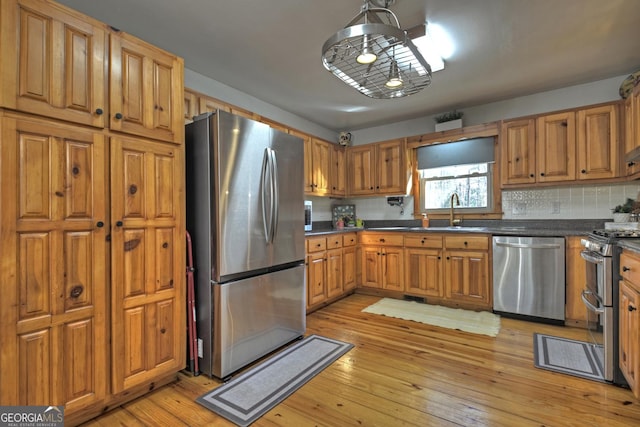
(405, 373)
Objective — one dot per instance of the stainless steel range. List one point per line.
(600, 295)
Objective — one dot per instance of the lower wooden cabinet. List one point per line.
(423, 265)
(382, 261)
(576, 277)
(629, 319)
(331, 267)
(452, 269)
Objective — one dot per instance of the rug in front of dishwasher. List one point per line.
(577, 358)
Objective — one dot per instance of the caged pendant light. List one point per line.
(375, 56)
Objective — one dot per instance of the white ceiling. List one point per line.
(271, 49)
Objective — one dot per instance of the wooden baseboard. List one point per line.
(112, 402)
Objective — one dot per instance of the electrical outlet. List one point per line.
(555, 207)
(519, 208)
(200, 349)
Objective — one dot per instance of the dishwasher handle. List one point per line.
(529, 245)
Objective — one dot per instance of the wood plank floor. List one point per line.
(406, 373)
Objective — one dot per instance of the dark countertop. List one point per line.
(535, 228)
(631, 244)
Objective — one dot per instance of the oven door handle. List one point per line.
(588, 303)
(586, 255)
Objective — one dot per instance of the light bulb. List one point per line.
(366, 56)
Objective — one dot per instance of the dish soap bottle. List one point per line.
(425, 221)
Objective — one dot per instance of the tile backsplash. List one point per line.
(577, 202)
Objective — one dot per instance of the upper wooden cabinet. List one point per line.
(569, 146)
(64, 71)
(53, 62)
(145, 90)
(556, 147)
(632, 131)
(598, 144)
(377, 168)
(518, 144)
(338, 170)
(320, 167)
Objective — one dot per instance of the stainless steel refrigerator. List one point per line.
(245, 214)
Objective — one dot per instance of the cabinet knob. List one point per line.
(631, 164)
(631, 308)
(531, 176)
(76, 291)
(625, 268)
(119, 224)
(541, 173)
(465, 243)
(99, 224)
(583, 171)
(382, 240)
(99, 111)
(118, 116)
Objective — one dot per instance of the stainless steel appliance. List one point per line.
(601, 297)
(528, 277)
(245, 214)
(308, 215)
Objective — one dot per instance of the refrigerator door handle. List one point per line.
(265, 185)
(275, 196)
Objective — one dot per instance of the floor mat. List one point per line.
(577, 358)
(477, 322)
(247, 397)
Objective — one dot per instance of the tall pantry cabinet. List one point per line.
(91, 213)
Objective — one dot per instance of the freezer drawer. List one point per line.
(252, 317)
(529, 276)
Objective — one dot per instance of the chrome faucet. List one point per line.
(454, 221)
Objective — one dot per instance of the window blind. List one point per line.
(469, 151)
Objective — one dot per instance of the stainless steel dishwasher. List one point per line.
(529, 277)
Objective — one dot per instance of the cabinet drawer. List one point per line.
(630, 268)
(466, 242)
(395, 239)
(334, 242)
(316, 244)
(423, 241)
(349, 239)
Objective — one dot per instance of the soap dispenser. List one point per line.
(425, 221)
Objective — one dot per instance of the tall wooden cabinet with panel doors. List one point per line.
(92, 216)
(377, 169)
(632, 132)
(382, 260)
(629, 319)
(568, 146)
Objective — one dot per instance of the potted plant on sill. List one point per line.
(622, 213)
(450, 120)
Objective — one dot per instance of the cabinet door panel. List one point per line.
(145, 90)
(556, 147)
(390, 171)
(393, 268)
(316, 278)
(349, 268)
(424, 272)
(518, 151)
(54, 258)
(598, 143)
(360, 170)
(147, 260)
(371, 268)
(334, 273)
(60, 60)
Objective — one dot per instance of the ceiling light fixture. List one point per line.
(376, 57)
